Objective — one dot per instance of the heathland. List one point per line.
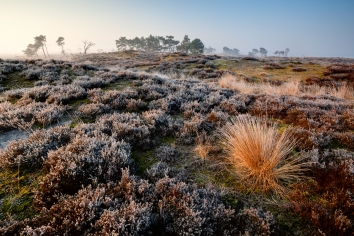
(140, 143)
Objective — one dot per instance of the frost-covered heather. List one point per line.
(128, 164)
(27, 112)
(89, 82)
(32, 152)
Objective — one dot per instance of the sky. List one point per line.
(306, 27)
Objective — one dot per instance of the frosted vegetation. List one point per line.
(145, 143)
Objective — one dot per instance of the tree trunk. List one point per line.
(46, 50)
(62, 48)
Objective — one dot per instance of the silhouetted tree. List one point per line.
(209, 50)
(87, 45)
(287, 50)
(229, 51)
(276, 52)
(153, 43)
(281, 53)
(39, 41)
(185, 44)
(121, 43)
(255, 52)
(263, 52)
(31, 50)
(197, 46)
(61, 44)
(171, 43)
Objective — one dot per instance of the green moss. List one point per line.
(16, 193)
(78, 102)
(15, 80)
(143, 160)
(119, 85)
(13, 100)
(168, 139)
(288, 222)
(335, 144)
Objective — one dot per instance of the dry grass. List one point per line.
(292, 87)
(260, 155)
(203, 146)
(231, 82)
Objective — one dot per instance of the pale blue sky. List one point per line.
(308, 28)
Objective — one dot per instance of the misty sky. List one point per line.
(307, 27)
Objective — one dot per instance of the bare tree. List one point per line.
(87, 45)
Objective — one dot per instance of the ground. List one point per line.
(134, 138)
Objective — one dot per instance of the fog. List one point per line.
(308, 29)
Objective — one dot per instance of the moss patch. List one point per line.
(15, 80)
(143, 160)
(16, 193)
(119, 85)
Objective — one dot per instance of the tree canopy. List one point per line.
(196, 46)
(231, 52)
(160, 44)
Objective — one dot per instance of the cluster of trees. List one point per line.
(40, 43)
(255, 52)
(282, 53)
(262, 52)
(161, 44)
(229, 51)
(149, 44)
(209, 50)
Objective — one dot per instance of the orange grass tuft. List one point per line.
(260, 154)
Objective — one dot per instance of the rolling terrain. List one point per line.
(131, 143)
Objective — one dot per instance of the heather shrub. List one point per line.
(166, 153)
(130, 219)
(50, 93)
(89, 82)
(197, 213)
(8, 67)
(127, 126)
(135, 105)
(93, 110)
(115, 99)
(90, 211)
(83, 161)
(192, 127)
(26, 112)
(32, 152)
(32, 74)
(159, 122)
(40, 83)
(326, 201)
(255, 222)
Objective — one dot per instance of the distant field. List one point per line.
(136, 143)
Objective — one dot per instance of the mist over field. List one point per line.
(307, 28)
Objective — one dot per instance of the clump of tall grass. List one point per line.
(231, 82)
(293, 87)
(260, 155)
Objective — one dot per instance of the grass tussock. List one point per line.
(293, 87)
(260, 155)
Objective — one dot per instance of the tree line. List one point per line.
(161, 44)
(40, 44)
(148, 44)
